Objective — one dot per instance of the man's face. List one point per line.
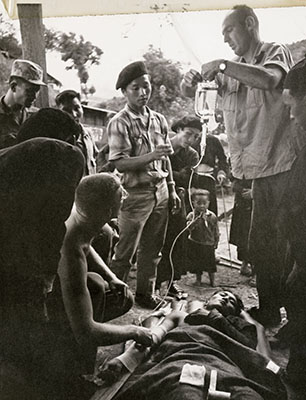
(74, 108)
(138, 92)
(25, 93)
(188, 136)
(236, 34)
(297, 107)
(223, 301)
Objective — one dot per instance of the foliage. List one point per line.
(74, 50)
(298, 50)
(8, 41)
(166, 77)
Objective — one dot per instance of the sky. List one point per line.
(191, 38)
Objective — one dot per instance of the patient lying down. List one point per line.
(216, 351)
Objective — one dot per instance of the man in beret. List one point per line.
(24, 84)
(139, 148)
(293, 218)
(70, 101)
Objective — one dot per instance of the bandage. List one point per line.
(132, 357)
(193, 375)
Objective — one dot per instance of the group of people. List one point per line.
(58, 294)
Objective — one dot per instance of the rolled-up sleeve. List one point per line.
(118, 138)
(278, 55)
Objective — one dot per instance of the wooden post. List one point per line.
(33, 45)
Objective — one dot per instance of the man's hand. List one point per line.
(162, 151)
(143, 336)
(210, 70)
(175, 201)
(221, 178)
(116, 285)
(192, 78)
(246, 194)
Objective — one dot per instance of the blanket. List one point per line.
(241, 369)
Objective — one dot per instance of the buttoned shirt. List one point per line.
(10, 124)
(129, 136)
(257, 122)
(89, 149)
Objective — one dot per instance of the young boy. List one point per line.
(203, 237)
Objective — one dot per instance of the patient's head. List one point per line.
(226, 302)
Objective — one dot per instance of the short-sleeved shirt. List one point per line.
(129, 137)
(9, 124)
(257, 122)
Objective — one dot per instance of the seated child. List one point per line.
(203, 237)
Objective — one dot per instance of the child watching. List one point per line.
(203, 237)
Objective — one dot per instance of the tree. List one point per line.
(74, 50)
(9, 48)
(166, 77)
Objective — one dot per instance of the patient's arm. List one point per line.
(263, 346)
(134, 354)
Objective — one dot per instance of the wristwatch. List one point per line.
(223, 66)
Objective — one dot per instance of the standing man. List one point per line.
(293, 216)
(139, 148)
(258, 128)
(24, 84)
(70, 101)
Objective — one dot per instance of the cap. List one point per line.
(190, 122)
(295, 80)
(131, 72)
(65, 95)
(29, 71)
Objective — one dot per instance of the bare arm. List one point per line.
(255, 76)
(265, 78)
(73, 278)
(263, 346)
(98, 265)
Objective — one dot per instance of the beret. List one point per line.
(295, 80)
(190, 122)
(131, 72)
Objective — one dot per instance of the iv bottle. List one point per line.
(205, 99)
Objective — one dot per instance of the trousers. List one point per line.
(142, 222)
(267, 243)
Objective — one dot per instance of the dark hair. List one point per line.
(66, 97)
(199, 192)
(51, 123)
(239, 306)
(190, 122)
(295, 80)
(243, 11)
(96, 193)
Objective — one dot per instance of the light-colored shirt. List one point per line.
(128, 136)
(257, 121)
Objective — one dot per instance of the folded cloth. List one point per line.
(193, 374)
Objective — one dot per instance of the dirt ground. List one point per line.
(226, 277)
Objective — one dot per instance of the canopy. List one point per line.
(66, 8)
